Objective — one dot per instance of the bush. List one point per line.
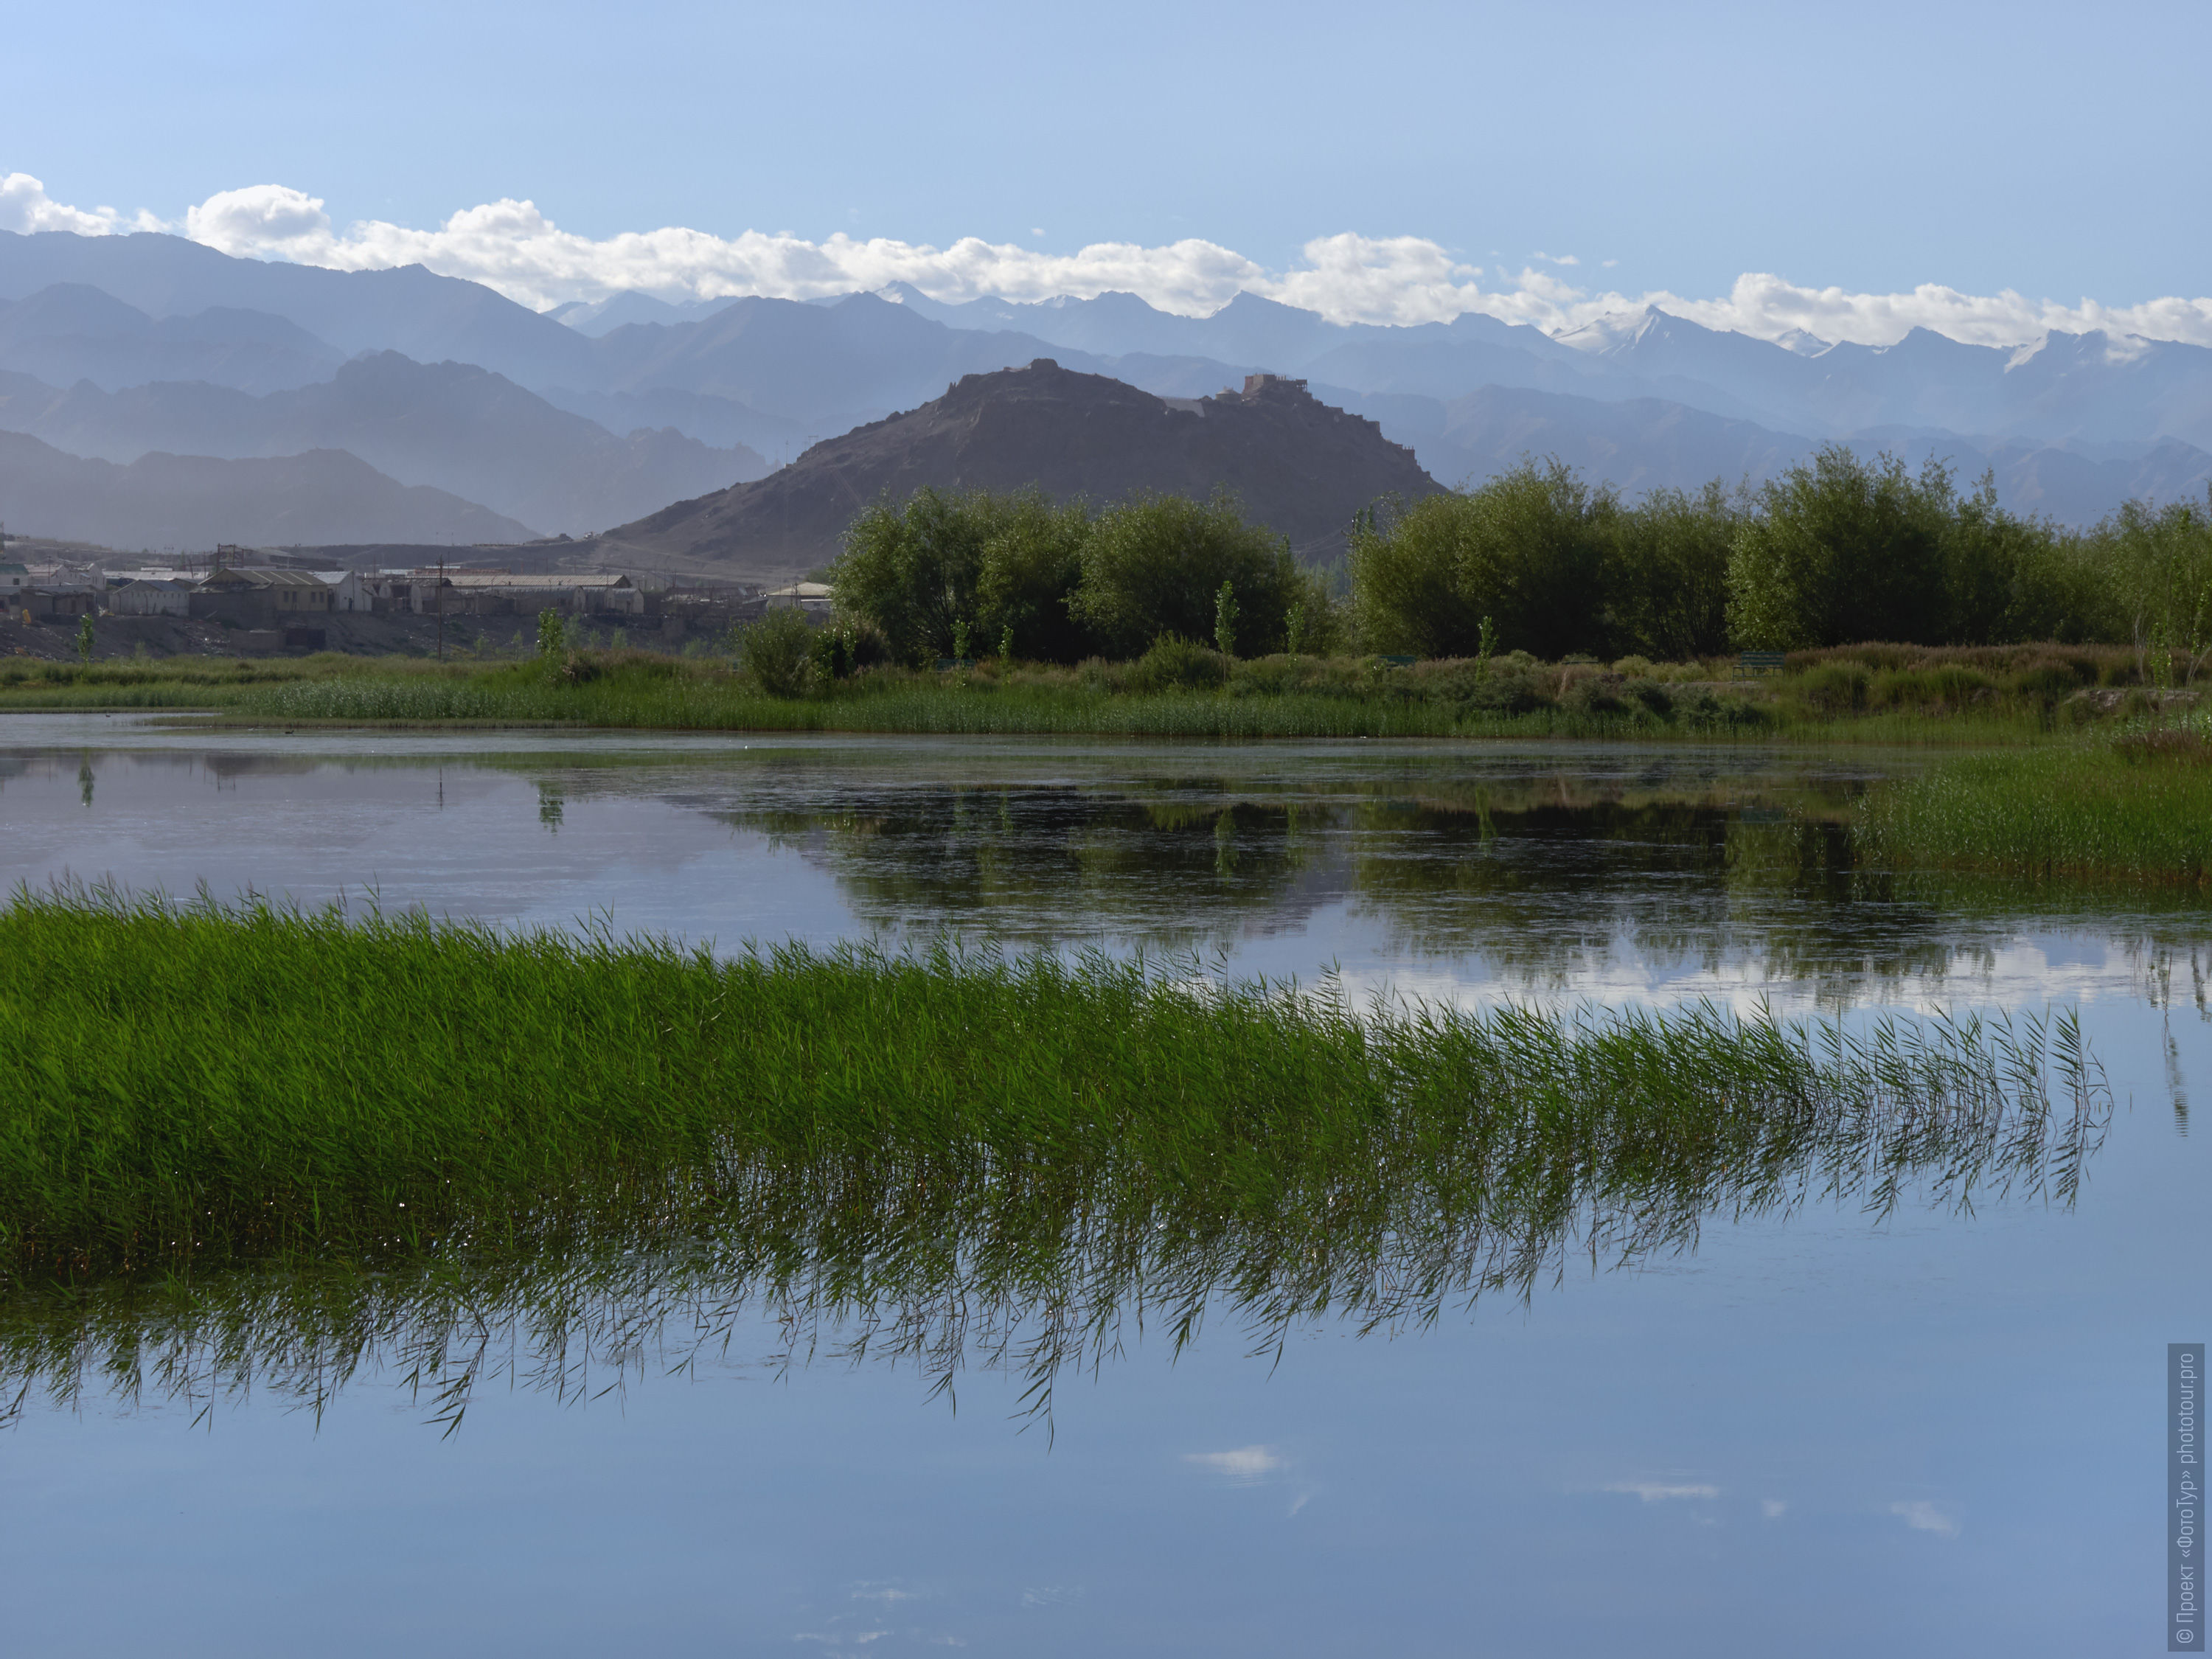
(1836, 688)
(778, 651)
(1175, 663)
(1596, 694)
(2048, 683)
(1500, 688)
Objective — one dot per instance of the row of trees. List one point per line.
(1061, 583)
(1837, 550)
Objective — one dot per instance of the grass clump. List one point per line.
(2136, 809)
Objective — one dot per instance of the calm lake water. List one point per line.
(1823, 1434)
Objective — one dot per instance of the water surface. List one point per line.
(1818, 1432)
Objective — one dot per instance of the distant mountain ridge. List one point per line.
(452, 426)
(1303, 468)
(70, 332)
(1642, 444)
(188, 501)
(2071, 425)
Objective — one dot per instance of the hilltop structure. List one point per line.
(1303, 469)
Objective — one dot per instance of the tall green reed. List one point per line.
(392, 1131)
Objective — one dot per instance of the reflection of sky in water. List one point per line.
(1817, 1435)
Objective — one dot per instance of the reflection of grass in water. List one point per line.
(575, 1141)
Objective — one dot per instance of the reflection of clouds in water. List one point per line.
(1921, 1515)
(1467, 876)
(2024, 972)
(1660, 1491)
(1243, 1466)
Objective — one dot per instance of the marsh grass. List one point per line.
(2136, 810)
(254, 1142)
(1869, 693)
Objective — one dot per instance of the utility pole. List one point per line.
(442, 607)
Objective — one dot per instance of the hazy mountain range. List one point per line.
(452, 426)
(596, 414)
(161, 501)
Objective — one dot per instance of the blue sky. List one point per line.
(2053, 152)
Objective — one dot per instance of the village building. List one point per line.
(348, 591)
(502, 593)
(814, 599)
(46, 603)
(151, 596)
(262, 599)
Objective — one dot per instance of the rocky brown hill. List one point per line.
(1299, 466)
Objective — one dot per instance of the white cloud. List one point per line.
(1653, 1491)
(1921, 1515)
(25, 207)
(1243, 1466)
(1556, 258)
(1772, 1508)
(511, 246)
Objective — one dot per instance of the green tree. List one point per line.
(1224, 620)
(552, 634)
(1843, 550)
(1528, 547)
(992, 559)
(2156, 566)
(1154, 565)
(1032, 564)
(912, 569)
(84, 640)
(1665, 574)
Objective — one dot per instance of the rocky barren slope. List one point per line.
(1299, 466)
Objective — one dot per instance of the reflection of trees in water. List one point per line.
(1042, 1260)
(1043, 863)
(1548, 874)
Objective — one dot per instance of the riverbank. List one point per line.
(1874, 694)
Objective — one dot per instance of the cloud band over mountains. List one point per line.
(512, 246)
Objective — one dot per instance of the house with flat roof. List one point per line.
(814, 599)
(502, 593)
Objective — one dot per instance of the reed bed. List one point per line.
(1841, 700)
(703, 702)
(254, 1143)
(194, 1082)
(2138, 810)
